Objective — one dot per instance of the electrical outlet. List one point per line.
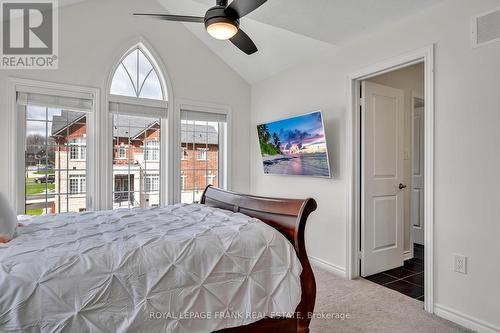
(460, 264)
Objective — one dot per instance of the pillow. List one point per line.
(8, 220)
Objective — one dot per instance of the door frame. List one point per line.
(353, 126)
(414, 96)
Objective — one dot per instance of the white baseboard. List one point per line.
(337, 270)
(464, 320)
(407, 255)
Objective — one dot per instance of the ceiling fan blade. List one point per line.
(177, 18)
(243, 7)
(243, 42)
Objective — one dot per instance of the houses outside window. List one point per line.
(202, 160)
(143, 160)
(57, 151)
(138, 107)
(55, 159)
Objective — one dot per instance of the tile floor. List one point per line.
(407, 279)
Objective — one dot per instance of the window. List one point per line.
(137, 77)
(202, 161)
(210, 178)
(138, 105)
(183, 181)
(142, 166)
(152, 183)
(152, 150)
(202, 154)
(122, 151)
(55, 159)
(77, 184)
(77, 149)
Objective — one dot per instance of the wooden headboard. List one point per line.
(288, 216)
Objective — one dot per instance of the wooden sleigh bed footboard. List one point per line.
(288, 216)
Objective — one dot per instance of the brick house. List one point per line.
(199, 160)
(136, 161)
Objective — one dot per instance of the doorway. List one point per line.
(354, 164)
(392, 179)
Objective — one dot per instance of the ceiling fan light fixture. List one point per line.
(222, 21)
(219, 25)
(222, 29)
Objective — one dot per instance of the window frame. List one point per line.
(80, 143)
(152, 151)
(17, 133)
(149, 181)
(166, 124)
(225, 148)
(122, 149)
(80, 184)
(202, 154)
(154, 67)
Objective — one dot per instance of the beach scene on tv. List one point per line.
(295, 146)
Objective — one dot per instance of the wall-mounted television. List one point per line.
(295, 146)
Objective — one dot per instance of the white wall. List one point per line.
(410, 80)
(467, 161)
(92, 36)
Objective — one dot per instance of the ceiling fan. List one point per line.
(222, 21)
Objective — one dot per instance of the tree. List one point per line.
(276, 141)
(266, 146)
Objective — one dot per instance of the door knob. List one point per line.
(402, 186)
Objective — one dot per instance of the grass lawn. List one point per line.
(33, 188)
(37, 211)
(42, 172)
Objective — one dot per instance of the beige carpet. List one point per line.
(370, 308)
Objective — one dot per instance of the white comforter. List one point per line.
(182, 268)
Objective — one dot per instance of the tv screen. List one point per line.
(295, 146)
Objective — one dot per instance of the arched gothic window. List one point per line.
(136, 76)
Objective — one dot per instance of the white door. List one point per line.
(417, 190)
(382, 176)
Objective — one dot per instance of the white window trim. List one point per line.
(202, 154)
(183, 182)
(150, 58)
(78, 142)
(225, 149)
(152, 152)
(122, 148)
(17, 133)
(151, 178)
(80, 179)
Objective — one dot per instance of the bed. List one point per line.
(224, 265)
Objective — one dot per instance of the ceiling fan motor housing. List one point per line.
(218, 14)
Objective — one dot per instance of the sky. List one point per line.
(304, 134)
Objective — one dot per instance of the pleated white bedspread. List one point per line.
(182, 268)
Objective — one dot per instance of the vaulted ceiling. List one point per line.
(289, 31)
